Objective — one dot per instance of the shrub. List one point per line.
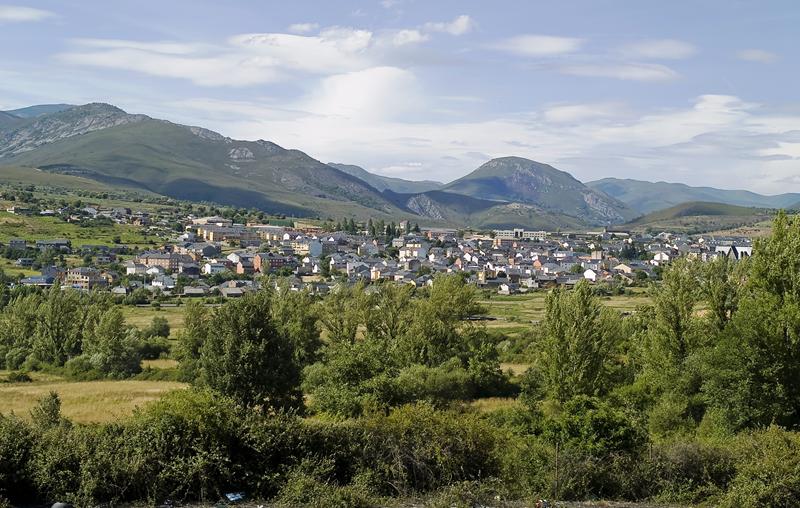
(416, 448)
(16, 441)
(768, 470)
(18, 377)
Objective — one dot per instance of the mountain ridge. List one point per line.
(646, 197)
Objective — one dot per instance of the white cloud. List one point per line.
(459, 26)
(303, 28)
(410, 36)
(18, 14)
(571, 113)
(245, 60)
(659, 49)
(716, 140)
(378, 93)
(757, 55)
(623, 71)
(539, 45)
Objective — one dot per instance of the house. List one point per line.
(134, 268)
(264, 262)
(24, 262)
(507, 288)
(85, 278)
(164, 282)
(590, 275)
(194, 292)
(18, 210)
(43, 281)
(17, 244)
(660, 257)
(166, 260)
(61, 244)
(213, 267)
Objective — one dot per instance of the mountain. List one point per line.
(39, 110)
(383, 183)
(7, 120)
(701, 217)
(647, 197)
(104, 143)
(518, 180)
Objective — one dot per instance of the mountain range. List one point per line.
(646, 197)
(103, 143)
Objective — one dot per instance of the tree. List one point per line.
(341, 312)
(245, 357)
(159, 327)
(753, 373)
(113, 349)
(191, 339)
(579, 338)
(291, 312)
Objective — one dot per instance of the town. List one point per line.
(215, 257)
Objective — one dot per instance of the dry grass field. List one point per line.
(85, 402)
(141, 317)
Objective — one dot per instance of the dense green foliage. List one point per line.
(692, 399)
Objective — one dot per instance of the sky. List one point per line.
(703, 92)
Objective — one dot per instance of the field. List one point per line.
(141, 317)
(89, 401)
(99, 401)
(42, 228)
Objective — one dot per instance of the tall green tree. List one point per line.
(245, 357)
(579, 338)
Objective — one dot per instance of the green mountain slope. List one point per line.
(700, 217)
(518, 180)
(106, 144)
(8, 120)
(383, 183)
(39, 110)
(647, 197)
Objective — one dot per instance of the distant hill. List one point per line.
(518, 180)
(383, 183)
(39, 110)
(700, 217)
(647, 197)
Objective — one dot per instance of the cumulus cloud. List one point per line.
(714, 140)
(409, 36)
(303, 28)
(459, 26)
(539, 45)
(757, 55)
(375, 93)
(659, 49)
(19, 14)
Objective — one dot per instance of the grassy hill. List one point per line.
(701, 217)
(383, 183)
(647, 197)
(195, 164)
(518, 180)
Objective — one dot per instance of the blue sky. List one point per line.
(702, 92)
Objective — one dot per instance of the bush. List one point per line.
(16, 441)
(416, 448)
(18, 377)
(768, 470)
